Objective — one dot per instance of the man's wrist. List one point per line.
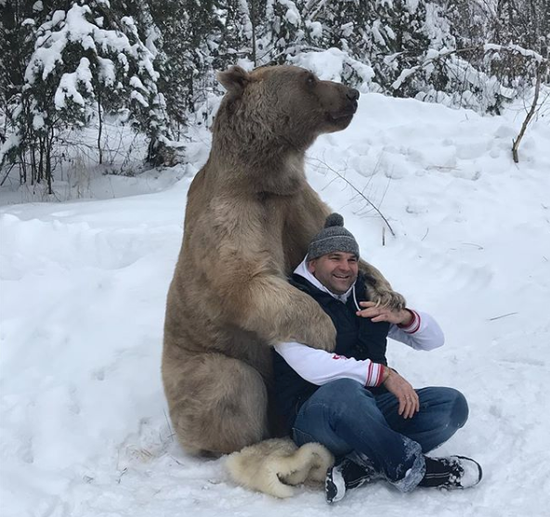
(386, 375)
(413, 324)
(408, 318)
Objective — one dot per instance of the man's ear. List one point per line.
(234, 80)
(311, 266)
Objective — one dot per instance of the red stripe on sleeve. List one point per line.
(380, 375)
(414, 325)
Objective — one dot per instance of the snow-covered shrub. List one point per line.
(86, 61)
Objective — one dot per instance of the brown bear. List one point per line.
(249, 219)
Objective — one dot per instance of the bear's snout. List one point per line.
(352, 94)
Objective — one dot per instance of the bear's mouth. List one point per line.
(342, 115)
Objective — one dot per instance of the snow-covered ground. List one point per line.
(83, 423)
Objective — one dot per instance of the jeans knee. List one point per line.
(343, 390)
(346, 385)
(459, 410)
(347, 400)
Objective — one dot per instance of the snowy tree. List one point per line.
(283, 31)
(190, 50)
(390, 35)
(337, 24)
(239, 33)
(490, 61)
(18, 22)
(87, 60)
(171, 18)
(396, 40)
(525, 23)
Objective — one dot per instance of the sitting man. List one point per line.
(371, 419)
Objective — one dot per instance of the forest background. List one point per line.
(76, 76)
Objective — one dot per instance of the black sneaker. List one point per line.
(454, 472)
(344, 476)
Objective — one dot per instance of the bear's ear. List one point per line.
(234, 80)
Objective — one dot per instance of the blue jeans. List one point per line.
(349, 420)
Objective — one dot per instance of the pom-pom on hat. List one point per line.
(333, 237)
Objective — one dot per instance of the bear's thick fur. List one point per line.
(274, 466)
(249, 219)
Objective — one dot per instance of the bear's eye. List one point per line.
(311, 80)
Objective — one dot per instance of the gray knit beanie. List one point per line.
(334, 237)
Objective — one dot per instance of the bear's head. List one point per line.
(281, 106)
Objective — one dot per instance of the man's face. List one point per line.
(336, 271)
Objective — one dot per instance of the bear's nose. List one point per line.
(352, 94)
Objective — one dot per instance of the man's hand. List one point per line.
(378, 313)
(409, 404)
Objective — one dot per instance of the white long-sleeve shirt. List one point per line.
(320, 367)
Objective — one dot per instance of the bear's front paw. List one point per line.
(387, 298)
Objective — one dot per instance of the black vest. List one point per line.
(356, 337)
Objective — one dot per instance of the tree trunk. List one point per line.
(100, 128)
(34, 170)
(253, 22)
(40, 174)
(49, 144)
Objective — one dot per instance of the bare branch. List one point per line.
(7, 174)
(359, 193)
(528, 118)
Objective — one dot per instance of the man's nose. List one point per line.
(344, 266)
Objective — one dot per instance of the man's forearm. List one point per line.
(422, 333)
(320, 367)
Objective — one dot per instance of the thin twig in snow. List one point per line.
(121, 474)
(473, 244)
(171, 436)
(360, 194)
(503, 316)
